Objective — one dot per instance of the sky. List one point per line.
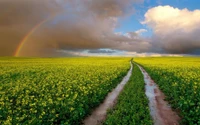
(55, 28)
(133, 22)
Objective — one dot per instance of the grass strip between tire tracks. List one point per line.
(132, 104)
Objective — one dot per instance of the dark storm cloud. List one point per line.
(18, 17)
(178, 42)
(89, 24)
(80, 24)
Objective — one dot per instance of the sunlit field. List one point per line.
(55, 90)
(67, 90)
(100, 62)
(178, 78)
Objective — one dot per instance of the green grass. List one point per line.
(178, 78)
(132, 104)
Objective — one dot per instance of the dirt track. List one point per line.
(161, 112)
(99, 114)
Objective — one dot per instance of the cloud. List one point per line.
(74, 25)
(140, 31)
(18, 17)
(103, 51)
(81, 24)
(92, 52)
(111, 52)
(174, 30)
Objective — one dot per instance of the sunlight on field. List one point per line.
(178, 78)
(55, 90)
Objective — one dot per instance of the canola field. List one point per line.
(66, 90)
(179, 79)
(55, 90)
(132, 105)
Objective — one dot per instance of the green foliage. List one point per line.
(55, 90)
(132, 104)
(179, 79)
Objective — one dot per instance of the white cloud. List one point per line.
(175, 30)
(167, 18)
(135, 54)
(140, 31)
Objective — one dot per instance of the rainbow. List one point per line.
(23, 41)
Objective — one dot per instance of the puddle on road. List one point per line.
(160, 110)
(99, 114)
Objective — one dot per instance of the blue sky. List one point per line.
(132, 23)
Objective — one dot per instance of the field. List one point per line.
(66, 90)
(55, 90)
(132, 105)
(178, 78)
